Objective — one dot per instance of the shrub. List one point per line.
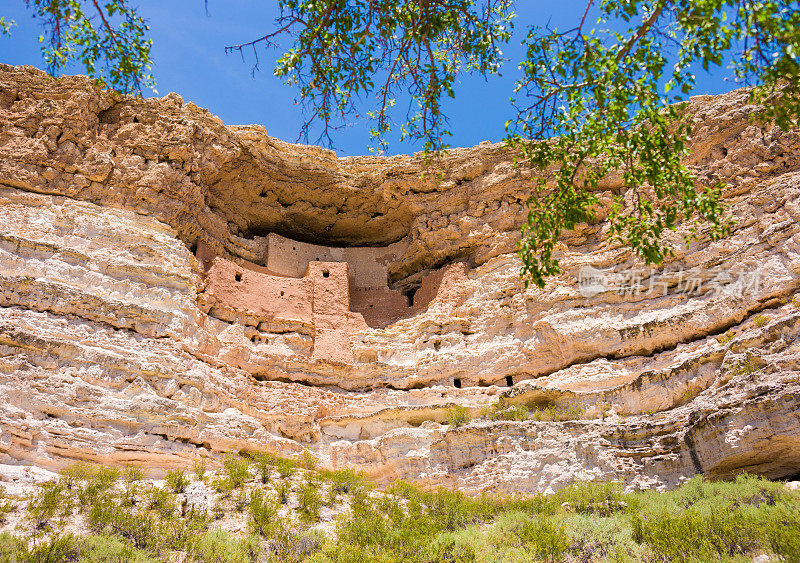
(502, 410)
(237, 469)
(6, 508)
(100, 474)
(343, 481)
(264, 519)
(450, 547)
(514, 412)
(549, 411)
(540, 537)
(283, 489)
(52, 501)
(308, 461)
(601, 498)
(12, 548)
(705, 520)
(309, 501)
(547, 541)
(308, 544)
(264, 469)
(56, 549)
(162, 501)
(133, 474)
(90, 481)
(200, 468)
(240, 501)
(745, 366)
(176, 480)
(138, 527)
(761, 320)
(104, 549)
(222, 485)
(457, 416)
(218, 546)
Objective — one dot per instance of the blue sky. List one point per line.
(188, 50)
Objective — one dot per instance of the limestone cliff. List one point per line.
(172, 288)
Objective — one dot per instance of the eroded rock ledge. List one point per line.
(172, 288)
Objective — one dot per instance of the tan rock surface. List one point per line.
(119, 344)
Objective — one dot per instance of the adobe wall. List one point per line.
(368, 266)
(320, 299)
(379, 307)
(264, 296)
(331, 305)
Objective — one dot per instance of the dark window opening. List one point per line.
(409, 293)
(281, 294)
(437, 345)
(238, 276)
(325, 273)
(253, 338)
(193, 248)
(457, 383)
(510, 380)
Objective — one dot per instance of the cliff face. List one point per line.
(172, 288)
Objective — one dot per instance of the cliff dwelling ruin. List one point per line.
(336, 290)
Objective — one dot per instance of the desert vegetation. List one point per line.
(94, 514)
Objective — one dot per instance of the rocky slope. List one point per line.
(111, 351)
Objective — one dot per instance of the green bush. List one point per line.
(264, 469)
(133, 474)
(588, 521)
(218, 546)
(200, 468)
(12, 548)
(90, 481)
(283, 489)
(705, 520)
(267, 523)
(309, 500)
(52, 502)
(601, 498)
(541, 537)
(222, 485)
(104, 549)
(450, 547)
(56, 549)
(162, 502)
(237, 469)
(342, 482)
(140, 528)
(502, 410)
(176, 480)
(457, 416)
